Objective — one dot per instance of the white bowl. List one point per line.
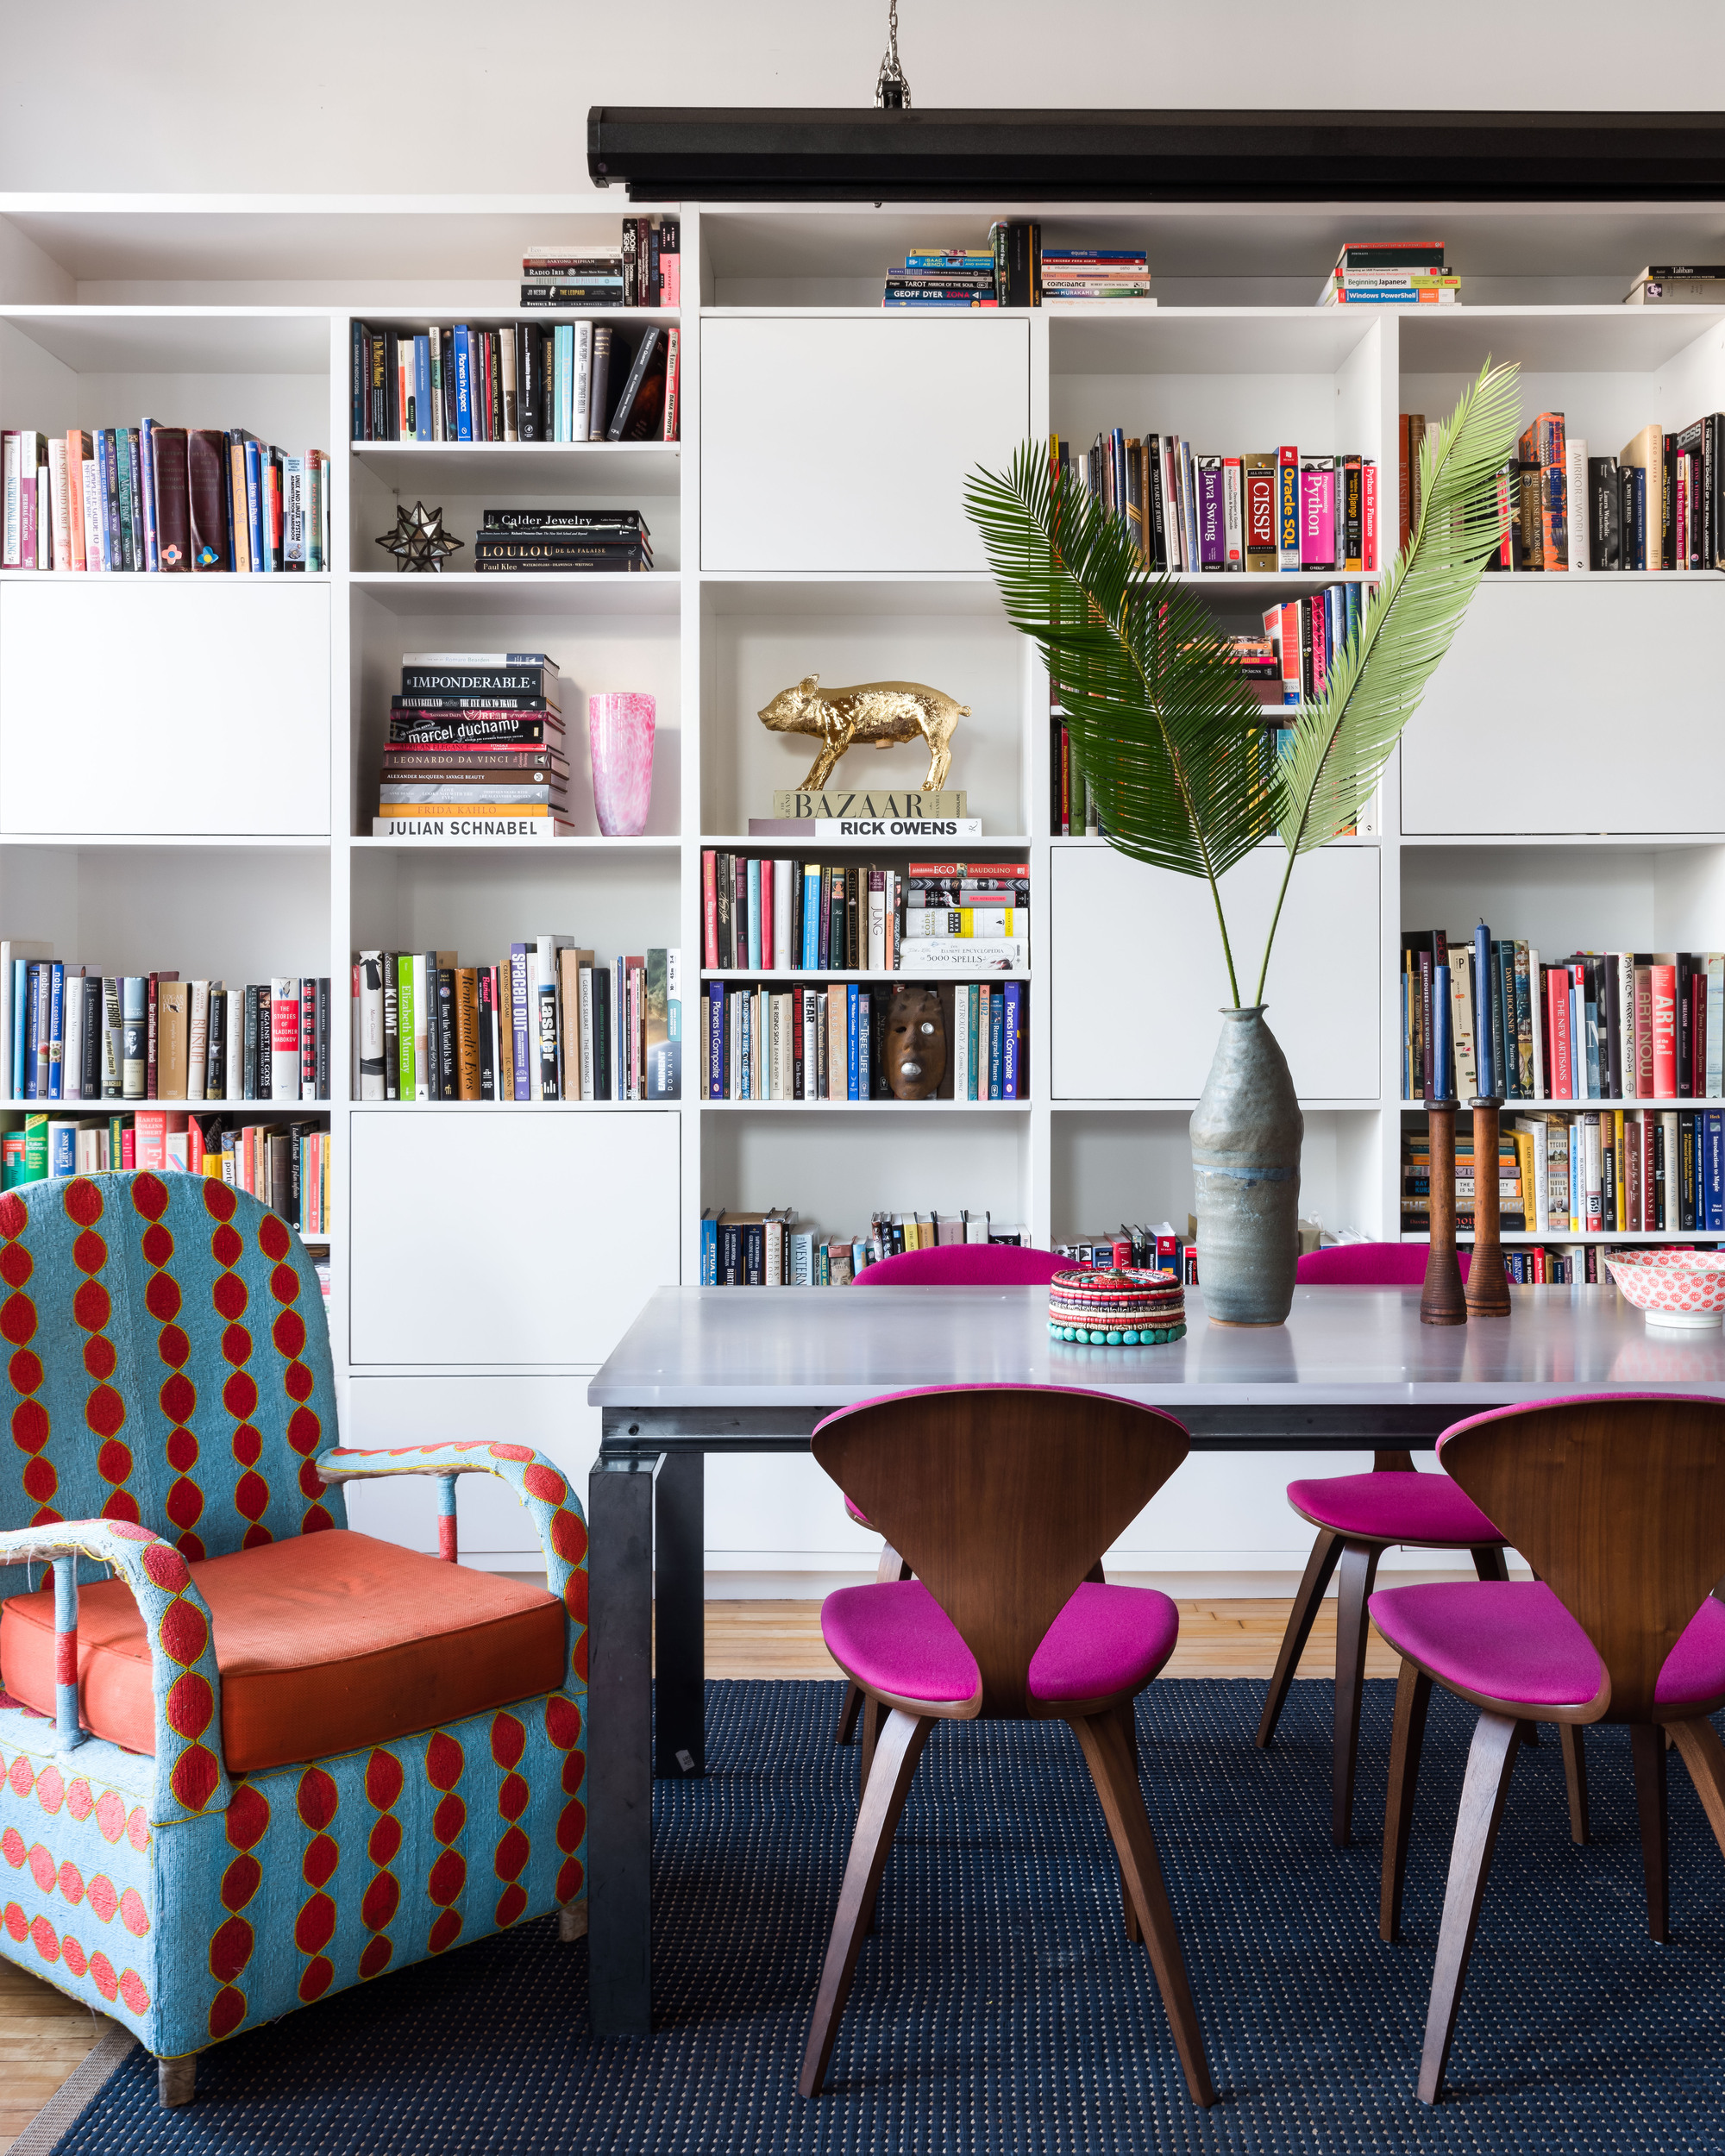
(1677, 1291)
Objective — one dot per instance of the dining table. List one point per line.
(713, 1370)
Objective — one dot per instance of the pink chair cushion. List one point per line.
(1394, 1507)
(1369, 1266)
(1513, 1639)
(965, 1265)
(896, 1638)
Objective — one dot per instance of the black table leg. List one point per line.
(619, 1747)
(679, 1603)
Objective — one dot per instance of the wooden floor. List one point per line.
(44, 2035)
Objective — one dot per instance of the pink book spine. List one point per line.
(26, 520)
(1369, 500)
(710, 909)
(765, 912)
(1317, 517)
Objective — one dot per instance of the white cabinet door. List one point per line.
(165, 705)
(830, 444)
(497, 1236)
(1138, 976)
(1539, 718)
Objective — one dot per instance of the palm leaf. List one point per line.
(1164, 725)
(1342, 742)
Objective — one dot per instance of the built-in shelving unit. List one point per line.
(220, 785)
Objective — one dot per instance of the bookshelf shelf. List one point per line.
(527, 850)
(1562, 1236)
(867, 1107)
(291, 1111)
(464, 592)
(984, 849)
(514, 1108)
(636, 467)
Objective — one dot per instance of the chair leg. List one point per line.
(1648, 1750)
(1490, 1761)
(848, 1714)
(1490, 1562)
(883, 1800)
(1573, 1740)
(1358, 1569)
(1705, 1757)
(1128, 1906)
(1412, 1697)
(572, 1921)
(871, 1731)
(1115, 1772)
(176, 2080)
(1326, 1554)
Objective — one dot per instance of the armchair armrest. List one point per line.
(544, 1490)
(191, 1775)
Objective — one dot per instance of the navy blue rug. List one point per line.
(999, 2007)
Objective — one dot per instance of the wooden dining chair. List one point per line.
(949, 1265)
(1618, 1503)
(1002, 1499)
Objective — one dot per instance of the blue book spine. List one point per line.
(56, 1026)
(62, 1149)
(811, 919)
(566, 382)
(20, 1024)
(254, 504)
(715, 1040)
(34, 1069)
(108, 471)
(709, 1254)
(1714, 1175)
(146, 458)
(1012, 1042)
(853, 1003)
(464, 386)
(997, 1043)
(755, 958)
(421, 389)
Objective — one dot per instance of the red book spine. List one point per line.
(1665, 1031)
(709, 908)
(150, 1039)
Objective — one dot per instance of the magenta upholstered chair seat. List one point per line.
(964, 1265)
(1369, 1266)
(1513, 1640)
(1394, 1506)
(897, 1639)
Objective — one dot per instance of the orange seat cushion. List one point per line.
(326, 1643)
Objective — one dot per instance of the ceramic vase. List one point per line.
(1246, 1131)
(620, 732)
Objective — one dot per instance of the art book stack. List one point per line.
(475, 749)
(562, 542)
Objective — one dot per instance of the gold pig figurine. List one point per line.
(878, 713)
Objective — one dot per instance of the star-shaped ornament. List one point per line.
(419, 542)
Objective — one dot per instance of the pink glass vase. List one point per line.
(620, 729)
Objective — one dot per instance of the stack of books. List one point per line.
(943, 277)
(767, 1249)
(1143, 1249)
(519, 381)
(1658, 503)
(935, 917)
(288, 1165)
(564, 541)
(1678, 284)
(475, 749)
(1094, 273)
(828, 1043)
(644, 271)
(70, 1032)
(1390, 272)
(549, 1022)
(160, 499)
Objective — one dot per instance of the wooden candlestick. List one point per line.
(1488, 1289)
(1443, 1301)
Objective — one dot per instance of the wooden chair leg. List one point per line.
(1115, 1772)
(1128, 1906)
(871, 1731)
(1648, 1750)
(1412, 1697)
(1572, 1738)
(848, 1714)
(1490, 1761)
(1490, 1562)
(1326, 1554)
(1705, 1757)
(1358, 1569)
(883, 1800)
(176, 2080)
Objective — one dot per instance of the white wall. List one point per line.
(333, 95)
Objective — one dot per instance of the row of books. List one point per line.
(1265, 511)
(1391, 274)
(519, 381)
(474, 737)
(550, 1022)
(644, 270)
(160, 499)
(1611, 1025)
(68, 1032)
(288, 1165)
(515, 542)
(1622, 1171)
(768, 1249)
(830, 1043)
(1158, 1248)
(789, 916)
(1015, 270)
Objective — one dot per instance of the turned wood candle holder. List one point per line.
(1488, 1288)
(1442, 1302)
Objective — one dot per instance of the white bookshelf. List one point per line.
(211, 807)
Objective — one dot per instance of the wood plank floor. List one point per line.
(44, 2035)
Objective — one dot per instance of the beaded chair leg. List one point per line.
(1358, 1569)
(1573, 1741)
(1326, 1554)
(1109, 1758)
(1647, 1751)
(883, 1800)
(1412, 1697)
(1490, 1761)
(176, 2080)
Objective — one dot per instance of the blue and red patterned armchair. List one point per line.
(267, 1757)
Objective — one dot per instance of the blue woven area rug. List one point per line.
(999, 2007)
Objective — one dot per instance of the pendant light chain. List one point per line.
(892, 89)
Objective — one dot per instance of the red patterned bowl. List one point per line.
(1679, 1291)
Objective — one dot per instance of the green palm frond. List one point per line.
(1342, 742)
